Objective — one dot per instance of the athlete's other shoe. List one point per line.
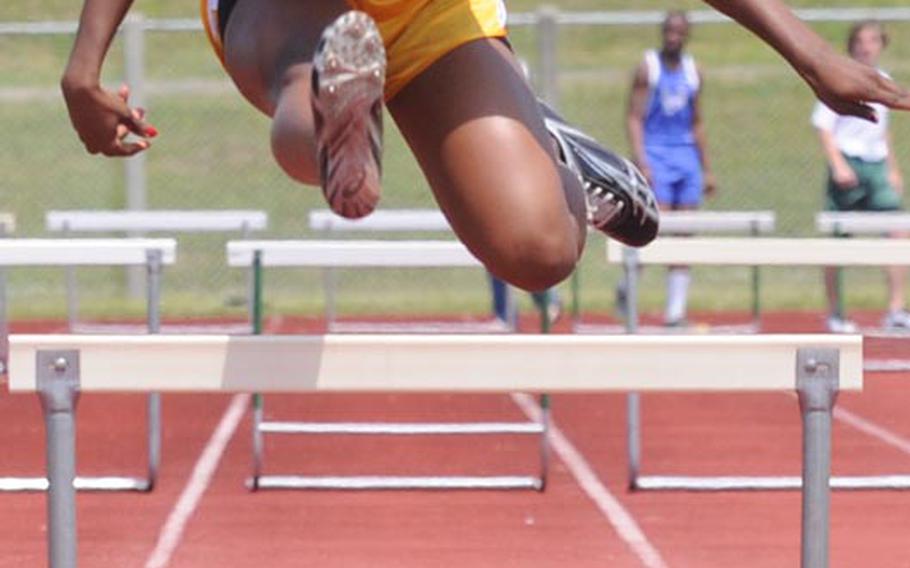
(348, 77)
(620, 201)
(897, 320)
(838, 324)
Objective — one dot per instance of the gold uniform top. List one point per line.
(416, 33)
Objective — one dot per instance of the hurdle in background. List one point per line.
(57, 367)
(394, 221)
(257, 255)
(754, 223)
(740, 252)
(136, 223)
(151, 253)
(842, 224)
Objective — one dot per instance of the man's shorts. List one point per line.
(872, 193)
(676, 175)
(416, 33)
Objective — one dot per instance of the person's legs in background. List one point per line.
(685, 189)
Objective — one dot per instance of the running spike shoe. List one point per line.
(620, 201)
(348, 78)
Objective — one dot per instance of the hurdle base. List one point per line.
(767, 483)
(393, 482)
(93, 484)
(401, 428)
(584, 328)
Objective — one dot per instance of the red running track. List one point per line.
(684, 434)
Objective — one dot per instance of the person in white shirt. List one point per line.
(863, 174)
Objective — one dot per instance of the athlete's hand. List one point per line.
(897, 181)
(645, 171)
(103, 120)
(844, 177)
(847, 86)
(710, 183)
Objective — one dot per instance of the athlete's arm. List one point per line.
(840, 82)
(101, 118)
(635, 117)
(701, 141)
(841, 172)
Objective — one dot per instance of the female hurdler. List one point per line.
(517, 184)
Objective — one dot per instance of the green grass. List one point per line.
(213, 153)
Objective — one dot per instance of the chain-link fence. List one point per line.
(213, 153)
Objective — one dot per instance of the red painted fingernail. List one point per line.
(151, 131)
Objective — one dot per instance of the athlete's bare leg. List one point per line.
(471, 120)
(268, 53)
(477, 132)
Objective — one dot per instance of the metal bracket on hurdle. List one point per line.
(260, 427)
(108, 483)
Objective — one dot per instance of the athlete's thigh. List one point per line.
(266, 40)
(476, 130)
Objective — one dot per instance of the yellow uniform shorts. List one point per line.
(416, 33)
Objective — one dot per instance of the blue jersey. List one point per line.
(671, 101)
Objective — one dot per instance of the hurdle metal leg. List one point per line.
(58, 388)
(633, 400)
(4, 324)
(817, 376)
(153, 315)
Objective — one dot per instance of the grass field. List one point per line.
(213, 153)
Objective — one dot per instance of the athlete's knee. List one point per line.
(535, 260)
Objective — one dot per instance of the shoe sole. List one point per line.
(348, 79)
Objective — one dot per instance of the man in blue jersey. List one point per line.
(668, 140)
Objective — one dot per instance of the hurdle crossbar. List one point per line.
(473, 363)
(745, 251)
(352, 254)
(384, 220)
(359, 254)
(388, 221)
(58, 367)
(753, 223)
(151, 253)
(157, 221)
(866, 223)
(136, 222)
(84, 252)
(767, 251)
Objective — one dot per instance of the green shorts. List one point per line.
(873, 192)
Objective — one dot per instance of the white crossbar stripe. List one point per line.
(201, 477)
(617, 515)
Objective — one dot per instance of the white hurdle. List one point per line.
(388, 221)
(739, 252)
(57, 367)
(840, 224)
(257, 255)
(135, 223)
(152, 254)
(753, 223)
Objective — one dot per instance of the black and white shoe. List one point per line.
(620, 201)
(348, 78)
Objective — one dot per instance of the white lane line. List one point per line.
(872, 429)
(618, 516)
(199, 480)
